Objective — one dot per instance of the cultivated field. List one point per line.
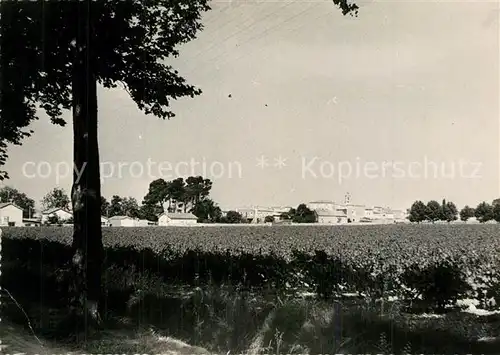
(400, 244)
(390, 254)
(180, 280)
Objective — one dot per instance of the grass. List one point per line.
(219, 321)
(145, 315)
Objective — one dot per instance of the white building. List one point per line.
(323, 205)
(11, 215)
(104, 221)
(258, 214)
(144, 223)
(355, 212)
(177, 219)
(61, 213)
(121, 221)
(325, 216)
(400, 215)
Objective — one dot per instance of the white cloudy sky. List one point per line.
(404, 82)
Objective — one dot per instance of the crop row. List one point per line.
(394, 244)
(436, 262)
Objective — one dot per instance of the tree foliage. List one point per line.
(418, 212)
(207, 211)
(484, 212)
(232, 217)
(433, 212)
(56, 198)
(301, 214)
(180, 194)
(466, 213)
(124, 206)
(130, 43)
(269, 219)
(496, 210)
(449, 211)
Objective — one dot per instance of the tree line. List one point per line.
(433, 211)
(179, 195)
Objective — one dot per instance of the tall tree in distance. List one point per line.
(451, 212)
(433, 213)
(301, 214)
(466, 213)
(115, 206)
(20, 199)
(150, 212)
(483, 212)
(232, 217)
(56, 198)
(130, 207)
(177, 194)
(496, 210)
(418, 212)
(207, 211)
(448, 211)
(123, 206)
(154, 201)
(196, 190)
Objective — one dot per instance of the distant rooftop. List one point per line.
(52, 210)
(181, 216)
(5, 204)
(119, 218)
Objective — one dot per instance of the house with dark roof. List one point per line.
(11, 215)
(177, 219)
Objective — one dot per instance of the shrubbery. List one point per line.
(429, 265)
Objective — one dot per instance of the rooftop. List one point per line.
(181, 216)
(118, 218)
(52, 210)
(5, 204)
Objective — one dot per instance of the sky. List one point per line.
(301, 104)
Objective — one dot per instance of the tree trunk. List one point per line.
(86, 191)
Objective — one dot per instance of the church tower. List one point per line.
(347, 198)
